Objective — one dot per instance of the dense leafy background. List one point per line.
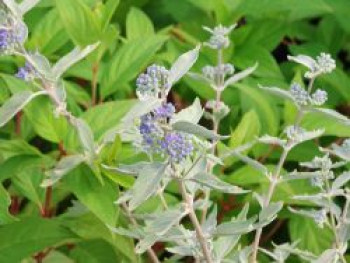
(133, 34)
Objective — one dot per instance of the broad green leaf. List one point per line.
(309, 236)
(246, 131)
(79, 21)
(96, 197)
(253, 98)
(49, 34)
(15, 104)
(41, 116)
(128, 61)
(138, 24)
(94, 251)
(5, 202)
(30, 235)
(27, 182)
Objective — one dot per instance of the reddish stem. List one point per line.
(18, 120)
(46, 210)
(15, 205)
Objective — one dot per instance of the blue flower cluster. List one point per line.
(156, 139)
(12, 33)
(27, 73)
(154, 83)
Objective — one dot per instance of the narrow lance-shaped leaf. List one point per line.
(27, 5)
(64, 166)
(241, 75)
(278, 92)
(332, 114)
(15, 104)
(269, 212)
(195, 129)
(86, 136)
(341, 180)
(71, 58)
(213, 182)
(146, 185)
(183, 64)
(307, 61)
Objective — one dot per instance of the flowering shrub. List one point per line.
(199, 155)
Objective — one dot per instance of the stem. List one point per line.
(333, 221)
(193, 217)
(95, 68)
(46, 212)
(151, 254)
(216, 123)
(274, 180)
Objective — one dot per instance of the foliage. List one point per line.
(174, 131)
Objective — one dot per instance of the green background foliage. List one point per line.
(132, 35)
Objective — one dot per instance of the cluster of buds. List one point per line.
(156, 139)
(13, 32)
(27, 73)
(302, 97)
(154, 83)
(320, 217)
(213, 73)
(219, 36)
(323, 64)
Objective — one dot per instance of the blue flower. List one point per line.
(175, 146)
(27, 73)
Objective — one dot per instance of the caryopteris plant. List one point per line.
(176, 161)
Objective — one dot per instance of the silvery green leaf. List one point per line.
(118, 170)
(278, 92)
(328, 256)
(311, 213)
(305, 255)
(184, 250)
(183, 64)
(139, 109)
(13, 6)
(237, 150)
(210, 223)
(341, 180)
(134, 233)
(339, 151)
(269, 212)
(241, 75)
(27, 5)
(213, 182)
(307, 61)
(147, 242)
(267, 139)
(64, 166)
(195, 129)
(163, 221)
(259, 198)
(241, 256)
(146, 185)
(124, 197)
(86, 136)
(332, 114)
(253, 163)
(15, 104)
(191, 114)
(71, 58)
(301, 175)
(235, 227)
(200, 77)
(40, 63)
